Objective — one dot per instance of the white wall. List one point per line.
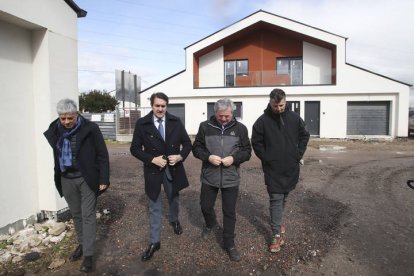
(211, 69)
(38, 67)
(18, 175)
(351, 84)
(317, 64)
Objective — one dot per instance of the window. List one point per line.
(234, 68)
(291, 67)
(238, 112)
(242, 67)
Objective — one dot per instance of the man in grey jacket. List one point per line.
(222, 144)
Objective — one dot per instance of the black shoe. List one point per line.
(86, 264)
(150, 251)
(205, 234)
(233, 254)
(177, 227)
(76, 254)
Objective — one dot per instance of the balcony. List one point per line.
(264, 78)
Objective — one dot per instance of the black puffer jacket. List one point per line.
(233, 141)
(279, 141)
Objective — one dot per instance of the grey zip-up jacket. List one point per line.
(230, 140)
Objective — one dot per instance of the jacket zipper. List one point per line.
(222, 147)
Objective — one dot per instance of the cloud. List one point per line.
(379, 32)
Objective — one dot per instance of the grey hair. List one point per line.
(223, 104)
(65, 106)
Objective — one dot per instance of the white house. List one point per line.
(249, 58)
(38, 67)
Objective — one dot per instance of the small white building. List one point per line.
(38, 67)
(251, 57)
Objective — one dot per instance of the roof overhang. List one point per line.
(75, 7)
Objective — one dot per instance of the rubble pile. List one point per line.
(30, 242)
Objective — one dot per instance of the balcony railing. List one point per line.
(262, 78)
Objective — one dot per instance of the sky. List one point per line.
(148, 38)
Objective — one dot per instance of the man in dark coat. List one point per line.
(161, 142)
(81, 172)
(222, 143)
(279, 140)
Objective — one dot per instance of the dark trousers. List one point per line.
(228, 198)
(82, 205)
(155, 210)
(277, 204)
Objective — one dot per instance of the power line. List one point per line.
(130, 56)
(107, 72)
(128, 48)
(141, 25)
(160, 8)
(129, 36)
(149, 19)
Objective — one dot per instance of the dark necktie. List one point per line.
(161, 128)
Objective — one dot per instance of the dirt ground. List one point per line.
(351, 214)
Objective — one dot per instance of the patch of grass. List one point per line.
(63, 249)
(3, 244)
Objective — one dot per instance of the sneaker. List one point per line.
(276, 244)
(234, 255)
(282, 229)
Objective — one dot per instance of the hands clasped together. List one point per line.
(162, 161)
(217, 160)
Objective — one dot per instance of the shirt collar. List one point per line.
(155, 119)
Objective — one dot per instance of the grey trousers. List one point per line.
(155, 211)
(276, 207)
(82, 204)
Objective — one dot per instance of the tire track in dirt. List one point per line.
(377, 232)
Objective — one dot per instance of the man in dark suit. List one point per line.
(161, 142)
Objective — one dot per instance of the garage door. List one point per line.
(368, 118)
(177, 110)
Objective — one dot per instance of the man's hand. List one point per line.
(215, 160)
(103, 187)
(159, 161)
(227, 161)
(174, 159)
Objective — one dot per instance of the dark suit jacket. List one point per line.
(147, 143)
(91, 155)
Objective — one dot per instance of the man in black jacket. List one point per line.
(161, 142)
(222, 144)
(81, 172)
(279, 140)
